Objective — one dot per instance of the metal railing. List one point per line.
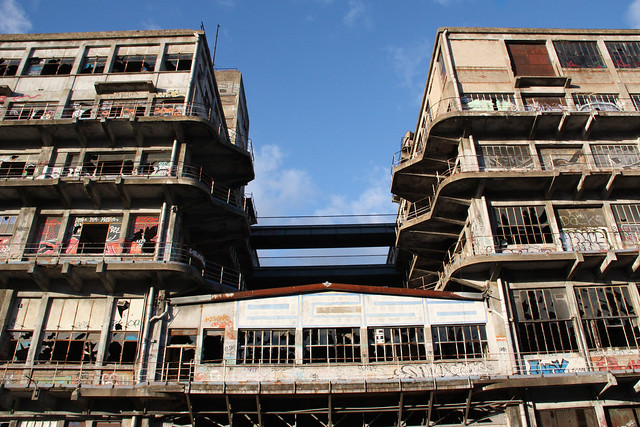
(117, 109)
(110, 170)
(120, 251)
(503, 163)
(492, 365)
(454, 104)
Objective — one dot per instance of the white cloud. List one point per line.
(13, 18)
(278, 190)
(410, 64)
(633, 14)
(357, 14)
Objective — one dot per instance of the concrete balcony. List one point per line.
(58, 265)
(139, 123)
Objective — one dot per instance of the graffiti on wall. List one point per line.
(585, 239)
(47, 236)
(143, 236)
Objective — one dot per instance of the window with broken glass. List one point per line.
(69, 346)
(179, 355)
(20, 323)
(93, 65)
(488, 102)
(596, 102)
(17, 346)
(8, 67)
(624, 54)
(616, 155)
(134, 63)
(543, 321)
(574, 54)
(521, 225)
(459, 341)
(635, 98)
(395, 344)
(125, 331)
(31, 111)
(505, 157)
(608, 316)
(331, 345)
(178, 62)
(213, 346)
(627, 218)
(48, 66)
(266, 346)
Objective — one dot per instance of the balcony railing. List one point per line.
(503, 104)
(120, 251)
(115, 110)
(110, 170)
(227, 371)
(549, 161)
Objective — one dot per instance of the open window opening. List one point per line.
(459, 342)
(69, 347)
(178, 62)
(179, 355)
(331, 345)
(93, 238)
(521, 225)
(393, 344)
(213, 346)
(266, 346)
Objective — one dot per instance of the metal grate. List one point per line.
(266, 346)
(505, 157)
(608, 316)
(624, 54)
(543, 321)
(393, 344)
(331, 345)
(579, 55)
(521, 225)
(459, 342)
(616, 155)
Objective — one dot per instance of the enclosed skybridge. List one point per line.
(351, 253)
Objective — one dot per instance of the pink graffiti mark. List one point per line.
(609, 363)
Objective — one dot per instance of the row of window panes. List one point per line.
(343, 345)
(545, 324)
(579, 54)
(95, 65)
(506, 102)
(510, 157)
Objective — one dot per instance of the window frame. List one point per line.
(586, 53)
(481, 341)
(53, 66)
(252, 353)
(328, 345)
(386, 343)
(94, 64)
(624, 60)
(52, 339)
(129, 63)
(9, 66)
(179, 59)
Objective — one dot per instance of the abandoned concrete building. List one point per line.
(125, 244)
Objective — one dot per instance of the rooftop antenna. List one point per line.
(215, 46)
(202, 25)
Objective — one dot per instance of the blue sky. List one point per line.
(331, 85)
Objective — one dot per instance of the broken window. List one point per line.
(608, 316)
(544, 103)
(521, 225)
(396, 344)
(628, 222)
(93, 238)
(488, 102)
(8, 67)
(505, 157)
(93, 65)
(47, 237)
(623, 416)
(134, 63)
(266, 346)
(7, 225)
(108, 164)
(213, 346)
(579, 55)
(168, 107)
(616, 155)
(17, 166)
(155, 164)
(331, 345)
(125, 331)
(178, 62)
(48, 66)
(635, 98)
(143, 235)
(543, 321)
(69, 346)
(602, 102)
(93, 235)
(530, 59)
(20, 326)
(126, 109)
(562, 158)
(31, 111)
(459, 342)
(179, 355)
(624, 54)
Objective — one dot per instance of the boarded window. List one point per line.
(562, 158)
(530, 59)
(331, 345)
(143, 235)
(543, 321)
(579, 55)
